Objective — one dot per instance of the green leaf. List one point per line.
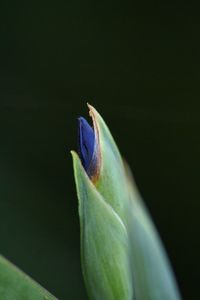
(104, 243)
(15, 285)
(152, 273)
(111, 182)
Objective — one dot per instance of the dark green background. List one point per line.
(139, 65)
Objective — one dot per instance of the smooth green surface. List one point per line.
(152, 273)
(104, 243)
(16, 285)
(112, 181)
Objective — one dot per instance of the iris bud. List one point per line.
(121, 252)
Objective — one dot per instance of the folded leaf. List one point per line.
(104, 243)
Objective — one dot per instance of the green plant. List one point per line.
(122, 255)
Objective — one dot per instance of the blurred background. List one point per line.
(139, 65)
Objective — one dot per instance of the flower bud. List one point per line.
(122, 255)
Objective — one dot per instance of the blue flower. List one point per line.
(86, 142)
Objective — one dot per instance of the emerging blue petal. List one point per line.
(86, 142)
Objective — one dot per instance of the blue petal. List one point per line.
(86, 142)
